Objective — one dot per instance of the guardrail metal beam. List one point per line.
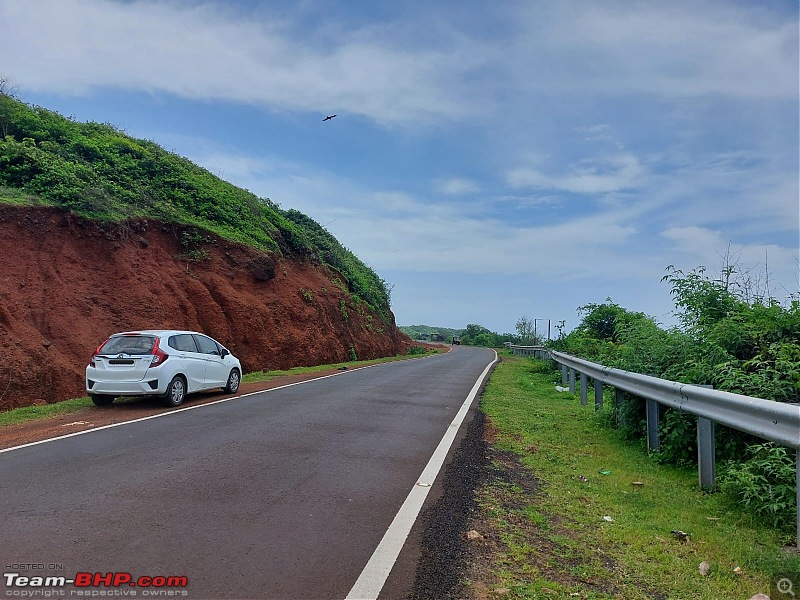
(775, 421)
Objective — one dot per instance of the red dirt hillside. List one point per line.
(66, 284)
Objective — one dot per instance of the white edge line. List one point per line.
(370, 583)
(172, 412)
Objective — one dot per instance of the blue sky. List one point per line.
(489, 159)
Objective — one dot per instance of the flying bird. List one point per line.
(328, 118)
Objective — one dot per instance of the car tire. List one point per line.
(102, 399)
(176, 392)
(234, 379)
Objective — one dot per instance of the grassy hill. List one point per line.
(96, 171)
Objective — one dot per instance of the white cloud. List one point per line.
(457, 186)
(530, 201)
(609, 174)
(746, 199)
(671, 49)
(395, 72)
(209, 52)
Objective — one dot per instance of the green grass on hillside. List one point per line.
(575, 531)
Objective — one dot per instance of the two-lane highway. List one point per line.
(279, 494)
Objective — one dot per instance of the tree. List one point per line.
(478, 335)
(600, 320)
(525, 328)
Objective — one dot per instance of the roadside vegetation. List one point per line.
(573, 508)
(729, 337)
(96, 171)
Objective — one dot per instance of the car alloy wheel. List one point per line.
(176, 392)
(233, 382)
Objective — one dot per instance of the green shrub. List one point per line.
(742, 343)
(764, 484)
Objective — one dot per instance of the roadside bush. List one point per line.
(764, 484)
(739, 342)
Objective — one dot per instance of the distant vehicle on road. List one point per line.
(456, 340)
(166, 363)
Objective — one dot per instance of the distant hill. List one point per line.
(423, 332)
(97, 172)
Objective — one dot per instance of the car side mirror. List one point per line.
(224, 353)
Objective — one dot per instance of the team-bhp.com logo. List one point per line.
(90, 584)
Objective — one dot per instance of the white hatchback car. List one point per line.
(166, 363)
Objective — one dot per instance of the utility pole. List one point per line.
(548, 328)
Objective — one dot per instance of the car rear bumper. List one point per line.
(125, 388)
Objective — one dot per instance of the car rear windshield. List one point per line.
(129, 344)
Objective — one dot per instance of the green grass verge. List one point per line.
(30, 413)
(257, 376)
(555, 540)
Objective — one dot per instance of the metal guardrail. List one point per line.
(539, 352)
(777, 422)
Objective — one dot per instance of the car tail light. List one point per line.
(159, 356)
(96, 352)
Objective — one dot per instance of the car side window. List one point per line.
(183, 343)
(206, 345)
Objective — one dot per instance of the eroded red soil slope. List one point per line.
(66, 284)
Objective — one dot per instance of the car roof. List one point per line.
(158, 332)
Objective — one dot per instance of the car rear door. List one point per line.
(194, 362)
(216, 369)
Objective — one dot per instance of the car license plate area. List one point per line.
(120, 361)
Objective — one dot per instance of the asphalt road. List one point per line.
(280, 494)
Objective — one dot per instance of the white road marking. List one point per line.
(370, 583)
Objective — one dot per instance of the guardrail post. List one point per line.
(706, 451)
(706, 456)
(619, 396)
(571, 381)
(598, 394)
(563, 375)
(583, 389)
(653, 416)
